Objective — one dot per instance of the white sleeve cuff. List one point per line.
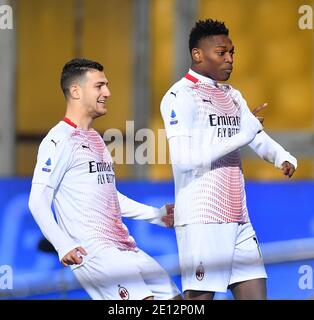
(286, 156)
(159, 213)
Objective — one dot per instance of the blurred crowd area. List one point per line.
(273, 63)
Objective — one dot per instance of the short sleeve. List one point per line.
(53, 161)
(177, 110)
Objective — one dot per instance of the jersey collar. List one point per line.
(196, 77)
(68, 121)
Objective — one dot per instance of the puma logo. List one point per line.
(55, 143)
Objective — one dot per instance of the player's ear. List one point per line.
(75, 91)
(196, 55)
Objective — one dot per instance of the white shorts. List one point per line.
(114, 274)
(214, 256)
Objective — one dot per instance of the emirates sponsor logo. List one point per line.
(200, 271)
(123, 293)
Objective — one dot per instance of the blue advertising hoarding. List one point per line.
(280, 211)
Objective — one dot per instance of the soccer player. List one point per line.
(74, 170)
(207, 123)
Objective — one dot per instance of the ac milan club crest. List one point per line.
(123, 293)
(200, 272)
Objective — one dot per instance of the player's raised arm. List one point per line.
(188, 156)
(267, 148)
(271, 151)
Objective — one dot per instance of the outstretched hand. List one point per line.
(74, 257)
(168, 219)
(288, 169)
(257, 110)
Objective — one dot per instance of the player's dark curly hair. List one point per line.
(75, 69)
(206, 28)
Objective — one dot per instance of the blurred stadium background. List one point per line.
(143, 45)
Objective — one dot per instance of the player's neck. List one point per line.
(195, 68)
(82, 121)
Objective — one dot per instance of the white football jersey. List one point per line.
(216, 193)
(78, 166)
(210, 113)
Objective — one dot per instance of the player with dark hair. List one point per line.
(74, 170)
(206, 28)
(74, 70)
(207, 123)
